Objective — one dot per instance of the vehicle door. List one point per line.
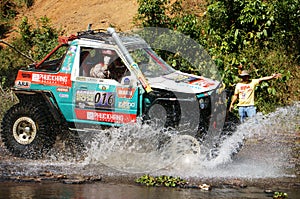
(103, 93)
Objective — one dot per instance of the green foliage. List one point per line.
(175, 18)
(250, 38)
(167, 181)
(287, 15)
(36, 41)
(41, 39)
(280, 195)
(152, 13)
(260, 35)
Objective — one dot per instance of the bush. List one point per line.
(258, 34)
(36, 41)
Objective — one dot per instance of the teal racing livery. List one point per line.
(102, 79)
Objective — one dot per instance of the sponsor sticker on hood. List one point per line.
(189, 79)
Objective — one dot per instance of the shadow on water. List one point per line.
(268, 159)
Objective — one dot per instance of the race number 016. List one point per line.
(104, 99)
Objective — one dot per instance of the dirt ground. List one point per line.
(74, 16)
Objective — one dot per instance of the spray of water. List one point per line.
(138, 148)
(268, 141)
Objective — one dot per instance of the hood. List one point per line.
(184, 83)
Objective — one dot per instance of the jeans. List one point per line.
(246, 111)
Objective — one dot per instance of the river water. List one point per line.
(269, 159)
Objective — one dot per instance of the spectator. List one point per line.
(244, 93)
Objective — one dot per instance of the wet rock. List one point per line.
(74, 180)
(78, 179)
(205, 187)
(269, 192)
(25, 179)
(190, 186)
(236, 183)
(46, 174)
(95, 178)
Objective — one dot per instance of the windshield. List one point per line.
(150, 63)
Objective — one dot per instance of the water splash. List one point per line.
(138, 148)
(266, 152)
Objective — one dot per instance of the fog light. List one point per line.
(202, 103)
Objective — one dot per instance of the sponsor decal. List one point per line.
(126, 81)
(102, 87)
(81, 78)
(202, 83)
(92, 79)
(59, 79)
(192, 81)
(94, 99)
(63, 95)
(23, 84)
(73, 49)
(62, 89)
(125, 92)
(105, 116)
(67, 68)
(126, 105)
(181, 78)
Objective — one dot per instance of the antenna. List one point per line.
(89, 28)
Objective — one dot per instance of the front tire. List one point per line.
(164, 114)
(27, 130)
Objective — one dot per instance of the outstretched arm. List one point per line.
(234, 98)
(274, 76)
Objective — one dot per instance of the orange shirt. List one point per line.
(246, 92)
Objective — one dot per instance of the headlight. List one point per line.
(203, 103)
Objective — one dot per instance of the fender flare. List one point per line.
(46, 97)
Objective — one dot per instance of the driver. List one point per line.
(100, 71)
(117, 69)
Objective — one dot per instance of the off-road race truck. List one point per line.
(102, 79)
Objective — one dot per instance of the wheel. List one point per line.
(163, 114)
(158, 115)
(27, 130)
